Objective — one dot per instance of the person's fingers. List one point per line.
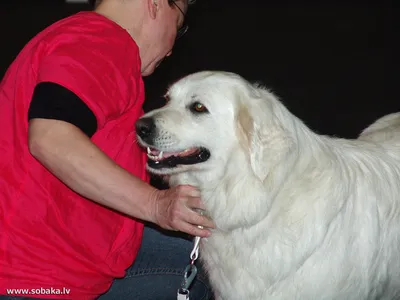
(194, 218)
(183, 218)
(187, 190)
(195, 203)
(180, 208)
(194, 230)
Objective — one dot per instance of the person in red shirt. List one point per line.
(74, 193)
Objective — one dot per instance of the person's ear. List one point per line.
(153, 8)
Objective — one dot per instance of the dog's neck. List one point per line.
(223, 188)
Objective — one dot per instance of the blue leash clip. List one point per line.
(188, 277)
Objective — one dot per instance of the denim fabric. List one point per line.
(158, 270)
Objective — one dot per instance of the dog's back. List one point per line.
(385, 131)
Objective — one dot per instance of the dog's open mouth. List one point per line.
(159, 159)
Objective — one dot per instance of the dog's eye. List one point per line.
(197, 107)
(166, 97)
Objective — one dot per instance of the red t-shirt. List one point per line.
(50, 236)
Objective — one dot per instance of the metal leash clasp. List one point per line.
(188, 277)
(190, 271)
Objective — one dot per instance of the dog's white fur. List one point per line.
(298, 215)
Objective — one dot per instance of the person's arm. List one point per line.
(72, 157)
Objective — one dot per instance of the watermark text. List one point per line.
(39, 291)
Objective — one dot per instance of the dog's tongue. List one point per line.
(189, 151)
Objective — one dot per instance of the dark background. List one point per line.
(333, 63)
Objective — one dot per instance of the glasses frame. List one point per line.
(184, 28)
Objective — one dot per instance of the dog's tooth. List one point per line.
(148, 150)
(160, 155)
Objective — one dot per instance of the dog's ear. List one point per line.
(263, 138)
(245, 128)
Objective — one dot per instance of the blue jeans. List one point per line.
(158, 271)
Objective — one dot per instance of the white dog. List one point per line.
(298, 215)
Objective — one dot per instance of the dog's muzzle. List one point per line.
(146, 130)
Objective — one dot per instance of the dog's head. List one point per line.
(210, 116)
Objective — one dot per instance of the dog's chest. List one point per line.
(229, 266)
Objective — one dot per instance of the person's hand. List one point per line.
(173, 209)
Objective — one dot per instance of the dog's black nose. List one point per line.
(145, 128)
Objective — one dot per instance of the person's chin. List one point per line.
(150, 69)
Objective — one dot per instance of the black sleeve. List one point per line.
(53, 101)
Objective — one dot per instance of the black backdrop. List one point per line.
(333, 63)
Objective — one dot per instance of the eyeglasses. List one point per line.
(184, 28)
